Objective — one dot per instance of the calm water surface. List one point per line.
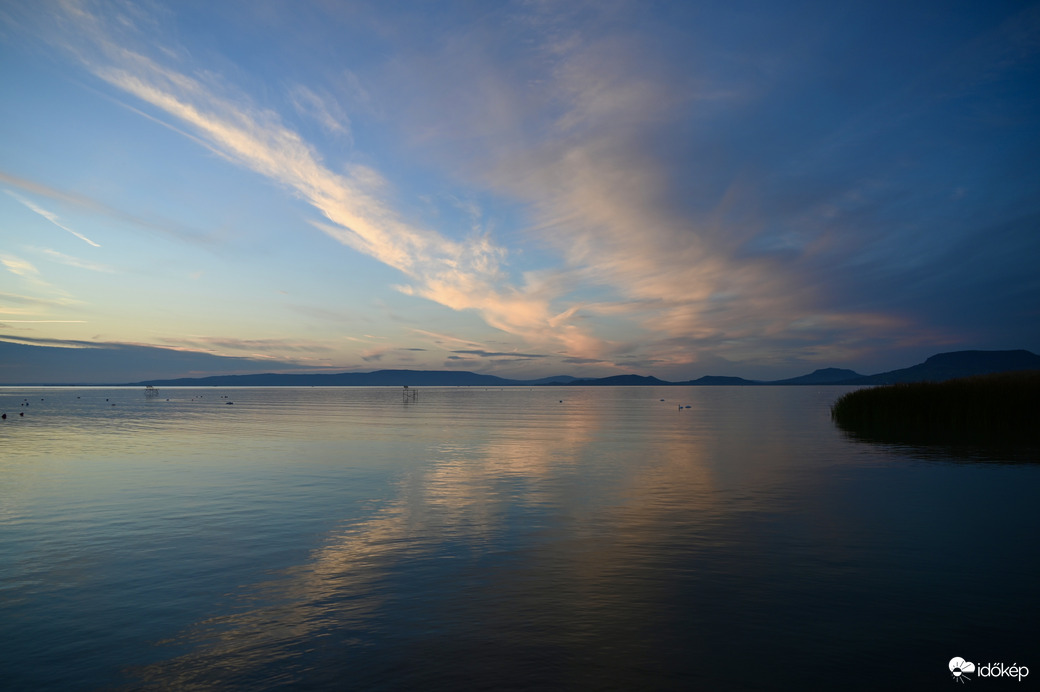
(566, 538)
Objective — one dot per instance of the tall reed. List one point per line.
(1002, 408)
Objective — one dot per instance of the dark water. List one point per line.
(503, 539)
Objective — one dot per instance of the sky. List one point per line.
(524, 189)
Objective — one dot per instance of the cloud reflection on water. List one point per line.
(531, 536)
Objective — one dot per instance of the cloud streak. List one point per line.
(29, 304)
(462, 275)
(499, 354)
(19, 266)
(76, 262)
(672, 192)
(323, 109)
(50, 216)
(95, 207)
(713, 213)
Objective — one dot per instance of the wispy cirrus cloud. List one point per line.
(16, 309)
(460, 274)
(400, 354)
(70, 261)
(500, 354)
(684, 200)
(322, 108)
(442, 339)
(50, 216)
(585, 175)
(52, 296)
(17, 304)
(708, 240)
(222, 342)
(45, 321)
(314, 353)
(19, 266)
(573, 145)
(95, 207)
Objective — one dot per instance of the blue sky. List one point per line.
(523, 189)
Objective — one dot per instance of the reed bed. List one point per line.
(999, 409)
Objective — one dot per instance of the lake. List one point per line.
(716, 538)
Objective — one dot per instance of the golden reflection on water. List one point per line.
(568, 472)
(552, 516)
(546, 538)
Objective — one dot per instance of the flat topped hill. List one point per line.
(621, 381)
(946, 366)
(823, 376)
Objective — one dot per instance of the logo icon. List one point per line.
(960, 668)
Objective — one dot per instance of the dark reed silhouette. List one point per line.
(996, 410)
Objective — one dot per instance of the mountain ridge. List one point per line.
(939, 367)
(377, 378)
(953, 364)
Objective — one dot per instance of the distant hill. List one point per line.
(621, 381)
(943, 366)
(719, 381)
(947, 366)
(555, 379)
(379, 378)
(823, 376)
